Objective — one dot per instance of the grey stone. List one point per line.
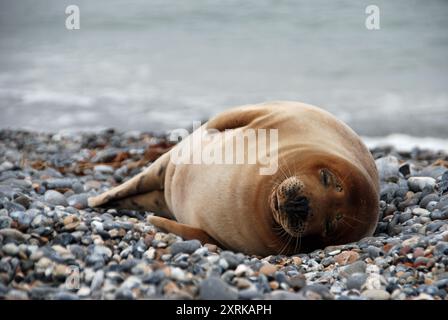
(428, 198)
(249, 293)
(327, 261)
(373, 251)
(285, 295)
(405, 216)
(97, 281)
(388, 191)
(443, 184)
(6, 165)
(355, 267)
(64, 295)
(419, 183)
(376, 294)
(124, 294)
(387, 167)
(441, 248)
(78, 201)
(356, 280)
(55, 198)
(188, 246)
(434, 226)
(232, 259)
(63, 183)
(12, 206)
(318, 289)
(215, 289)
(5, 222)
(23, 200)
(103, 169)
(106, 155)
(13, 234)
(14, 294)
(103, 251)
(297, 282)
(10, 249)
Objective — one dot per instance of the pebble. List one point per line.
(84, 292)
(328, 261)
(443, 184)
(188, 246)
(317, 292)
(432, 197)
(232, 259)
(60, 183)
(242, 283)
(249, 293)
(5, 222)
(103, 169)
(421, 212)
(5, 166)
(97, 226)
(47, 229)
(376, 294)
(346, 257)
(78, 201)
(297, 282)
(243, 271)
(97, 281)
(268, 269)
(356, 281)
(16, 295)
(387, 167)
(106, 155)
(55, 198)
(10, 249)
(216, 289)
(223, 264)
(65, 296)
(12, 234)
(420, 183)
(71, 222)
(356, 267)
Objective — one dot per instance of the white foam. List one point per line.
(63, 98)
(404, 142)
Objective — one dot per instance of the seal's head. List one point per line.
(327, 201)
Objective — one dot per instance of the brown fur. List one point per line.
(232, 205)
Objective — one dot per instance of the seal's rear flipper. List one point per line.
(151, 179)
(185, 231)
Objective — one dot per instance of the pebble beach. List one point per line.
(53, 246)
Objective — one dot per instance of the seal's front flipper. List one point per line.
(151, 179)
(185, 231)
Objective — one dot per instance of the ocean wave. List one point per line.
(404, 142)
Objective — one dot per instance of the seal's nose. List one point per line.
(297, 208)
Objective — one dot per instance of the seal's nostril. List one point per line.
(298, 207)
(290, 190)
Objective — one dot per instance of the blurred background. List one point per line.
(159, 65)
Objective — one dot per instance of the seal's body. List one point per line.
(325, 191)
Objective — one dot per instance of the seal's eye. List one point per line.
(325, 177)
(339, 216)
